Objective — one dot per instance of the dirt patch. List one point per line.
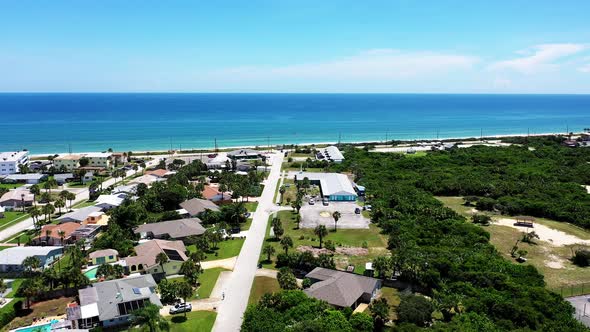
(347, 251)
(553, 236)
(554, 262)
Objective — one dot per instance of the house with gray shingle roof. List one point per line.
(341, 289)
(110, 303)
(196, 206)
(172, 229)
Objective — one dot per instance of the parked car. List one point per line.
(367, 207)
(247, 215)
(357, 211)
(325, 202)
(180, 308)
(311, 201)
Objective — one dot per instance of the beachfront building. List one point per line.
(98, 160)
(16, 198)
(68, 162)
(111, 303)
(244, 154)
(104, 256)
(11, 259)
(341, 289)
(332, 153)
(146, 253)
(171, 229)
(10, 161)
(333, 186)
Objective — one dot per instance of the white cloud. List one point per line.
(370, 64)
(539, 58)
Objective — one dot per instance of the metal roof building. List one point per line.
(334, 186)
(332, 153)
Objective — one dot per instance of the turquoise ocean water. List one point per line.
(48, 123)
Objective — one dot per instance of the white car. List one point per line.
(311, 201)
(180, 308)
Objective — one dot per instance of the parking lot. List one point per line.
(581, 303)
(318, 214)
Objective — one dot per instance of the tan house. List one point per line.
(70, 162)
(49, 235)
(146, 253)
(15, 199)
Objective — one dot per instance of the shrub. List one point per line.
(481, 219)
(415, 309)
(365, 245)
(582, 258)
(330, 245)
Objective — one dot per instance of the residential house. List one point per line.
(332, 153)
(11, 259)
(97, 218)
(86, 232)
(111, 303)
(79, 215)
(214, 195)
(341, 289)
(98, 160)
(10, 161)
(28, 178)
(68, 162)
(88, 177)
(107, 202)
(129, 189)
(16, 198)
(2, 210)
(61, 179)
(171, 229)
(145, 261)
(104, 256)
(54, 239)
(159, 173)
(146, 179)
(333, 186)
(196, 206)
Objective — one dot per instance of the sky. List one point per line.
(412, 46)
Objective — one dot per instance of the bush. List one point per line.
(481, 219)
(361, 322)
(365, 245)
(485, 204)
(306, 283)
(330, 245)
(415, 309)
(581, 258)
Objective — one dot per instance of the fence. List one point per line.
(573, 290)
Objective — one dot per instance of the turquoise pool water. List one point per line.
(91, 274)
(37, 328)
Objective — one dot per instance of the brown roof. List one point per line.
(67, 227)
(210, 192)
(103, 253)
(196, 205)
(339, 288)
(147, 252)
(157, 172)
(174, 228)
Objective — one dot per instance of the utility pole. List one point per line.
(437, 132)
(268, 142)
(481, 134)
(216, 150)
(339, 139)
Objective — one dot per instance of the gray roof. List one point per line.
(80, 214)
(174, 228)
(16, 255)
(243, 153)
(63, 177)
(27, 176)
(104, 253)
(333, 153)
(339, 288)
(196, 205)
(108, 294)
(331, 183)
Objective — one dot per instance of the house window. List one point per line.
(111, 257)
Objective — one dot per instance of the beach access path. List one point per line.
(237, 292)
(81, 195)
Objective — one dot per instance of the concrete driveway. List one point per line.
(318, 214)
(581, 303)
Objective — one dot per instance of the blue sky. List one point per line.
(295, 46)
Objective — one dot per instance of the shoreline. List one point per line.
(273, 146)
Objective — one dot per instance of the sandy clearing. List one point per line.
(587, 189)
(553, 236)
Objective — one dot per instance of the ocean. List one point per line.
(83, 122)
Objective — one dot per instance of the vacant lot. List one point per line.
(261, 286)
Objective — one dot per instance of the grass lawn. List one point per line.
(393, 299)
(78, 185)
(83, 204)
(10, 185)
(48, 308)
(4, 247)
(226, 249)
(196, 321)
(551, 261)
(375, 241)
(23, 236)
(246, 226)
(251, 206)
(11, 218)
(416, 154)
(207, 282)
(15, 286)
(261, 286)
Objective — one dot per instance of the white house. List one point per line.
(10, 161)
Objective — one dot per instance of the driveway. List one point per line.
(581, 303)
(237, 292)
(318, 214)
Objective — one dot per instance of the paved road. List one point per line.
(237, 292)
(81, 195)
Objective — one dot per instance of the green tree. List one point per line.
(150, 316)
(30, 288)
(286, 279)
(31, 263)
(59, 204)
(277, 228)
(361, 322)
(162, 259)
(70, 197)
(321, 232)
(48, 210)
(185, 291)
(382, 266)
(282, 191)
(379, 310)
(36, 191)
(415, 309)
(191, 271)
(286, 243)
(336, 215)
(268, 250)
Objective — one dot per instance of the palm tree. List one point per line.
(34, 212)
(48, 210)
(185, 291)
(336, 215)
(62, 235)
(52, 183)
(298, 220)
(47, 235)
(282, 191)
(150, 317)
(31, 263)
(36, 191)
(31, 288)
(286, 243)
(162, 259)
(269, 251)
(70, 197)
(63, 194)
(59, 203)
(320, 231)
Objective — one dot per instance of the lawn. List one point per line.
(207, 282)
(4, 247)
(261, 286)
(12, 217)
(372, 238)
(23, 237)
(196, 321)
(15, 286)
(10, 185)
(246, 226)
(83, 204)
(251, 206)
(393, 299)
(226, 249)
(78, 185)
(55, 307)
(551, 261)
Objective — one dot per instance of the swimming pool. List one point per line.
(91, 273)
(37, 328)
